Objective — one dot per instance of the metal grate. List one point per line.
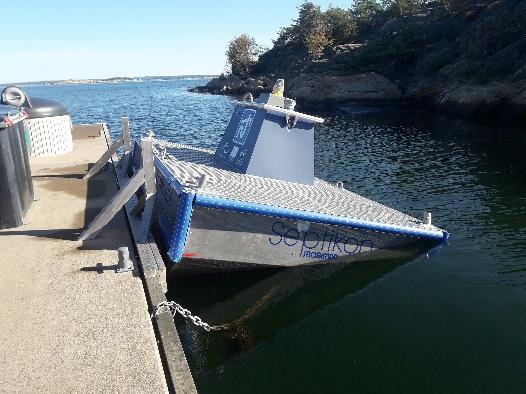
(50, 136)
(188, 164)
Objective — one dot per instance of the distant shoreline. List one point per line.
(90, 81)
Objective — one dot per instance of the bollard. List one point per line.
(202, 181)
(125, 264)
(427, 218)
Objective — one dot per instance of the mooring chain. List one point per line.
(174, 308)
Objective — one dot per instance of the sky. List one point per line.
(56, 39)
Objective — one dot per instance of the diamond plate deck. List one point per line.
(188, 164)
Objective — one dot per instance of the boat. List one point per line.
(255, 202)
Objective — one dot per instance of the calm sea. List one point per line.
(452, 323)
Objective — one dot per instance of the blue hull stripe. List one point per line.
(207, 201)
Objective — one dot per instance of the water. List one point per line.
(455, 323)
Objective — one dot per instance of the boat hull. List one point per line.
(208, 229)
(225, 240)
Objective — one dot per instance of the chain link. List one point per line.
(173, 308)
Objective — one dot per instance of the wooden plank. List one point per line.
(149, 188)
(126, 140)
(114, 206)
(104, 159)
(125, 160)
(86, 131)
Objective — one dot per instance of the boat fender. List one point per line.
(13, 95)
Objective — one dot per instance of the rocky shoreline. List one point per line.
(233, 85)
(496, 101)
(311, 90)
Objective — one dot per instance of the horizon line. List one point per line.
(180, 76)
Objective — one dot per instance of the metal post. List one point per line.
(202, 181)
(125, 264)
(149, 187)
(427, 218)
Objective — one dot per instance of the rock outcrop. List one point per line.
(312, 90)
(234, 85)
(339, 89)
(503, 99)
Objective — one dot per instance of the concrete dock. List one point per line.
(68, 321)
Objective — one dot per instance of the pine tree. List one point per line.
(312, 29)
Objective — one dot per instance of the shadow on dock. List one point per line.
(65, 234)
(91, 196)
(99, 268)
(95, 192)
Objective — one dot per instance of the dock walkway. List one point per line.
(68, 322)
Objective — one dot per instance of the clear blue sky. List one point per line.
(58, 39)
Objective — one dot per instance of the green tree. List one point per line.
(408, 7)
(286, 35)
(342, 25)
(455, 7)
(411, 7)
(391, 8)
(312, 29)
(365, 11)
(241, 55)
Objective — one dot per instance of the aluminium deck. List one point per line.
(188, 164)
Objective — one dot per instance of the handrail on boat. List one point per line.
(279, 111)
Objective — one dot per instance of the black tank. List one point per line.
(34, 106)
(43, 108)
(16, 184)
